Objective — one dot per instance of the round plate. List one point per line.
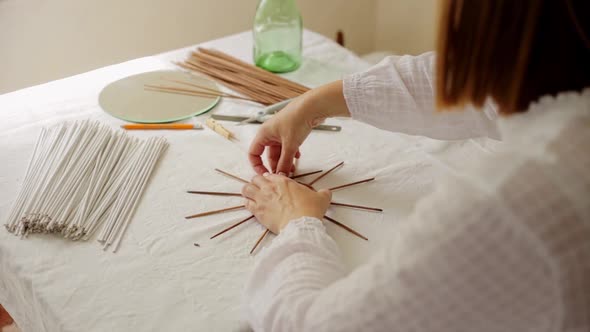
(127, 99)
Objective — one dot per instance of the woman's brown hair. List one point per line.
(513, 51)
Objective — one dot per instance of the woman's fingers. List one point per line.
(274, 153)
(255, 154)
(259, 181)
(327, 194)
(286, 160)
(250, 190)
(250, 205)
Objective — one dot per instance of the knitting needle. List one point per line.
(305, 174)
(259, 240)
(346, 228)
(214, 193)
(232, 176)
(232, 226)
(351, 184)
(324, 174)
(215, 211)
(357, 207)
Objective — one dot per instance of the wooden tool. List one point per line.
(218, 128)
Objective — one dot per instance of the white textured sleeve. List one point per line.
(455, 272)
(277, 299)
(397, 94)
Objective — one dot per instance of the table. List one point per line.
(158, 280)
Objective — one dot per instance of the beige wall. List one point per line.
(44, 40)
(406, 26)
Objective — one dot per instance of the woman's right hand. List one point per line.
(285, 131)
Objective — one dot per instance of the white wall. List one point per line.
(44, 40)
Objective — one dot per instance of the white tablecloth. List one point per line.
(158, 280)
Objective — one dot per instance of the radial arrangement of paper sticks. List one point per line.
(310, 184)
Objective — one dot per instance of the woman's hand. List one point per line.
(276, 200)
(284, 132)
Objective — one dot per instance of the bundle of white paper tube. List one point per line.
(84, 176)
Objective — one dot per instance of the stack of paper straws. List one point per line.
(83, 177)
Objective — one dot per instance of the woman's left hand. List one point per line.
(276, 200)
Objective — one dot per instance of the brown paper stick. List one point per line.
(347, 228)
(271, 77)
(189, 92)
(213, 193)
(324, 174)
(232, 226)
(253, 90)
(232, 176)
(305, 174)
(357, 207)
(351, 184)
(204, 88)
(208, 213)
(259, 240)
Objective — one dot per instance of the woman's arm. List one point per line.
(449, 269)
(398, 95)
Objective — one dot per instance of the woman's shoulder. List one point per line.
(536, 187)
(540, 175)
(547, 120)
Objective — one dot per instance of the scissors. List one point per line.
(265, 114)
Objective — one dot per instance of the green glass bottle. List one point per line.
(277, 35)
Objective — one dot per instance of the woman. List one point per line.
(504, 246)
